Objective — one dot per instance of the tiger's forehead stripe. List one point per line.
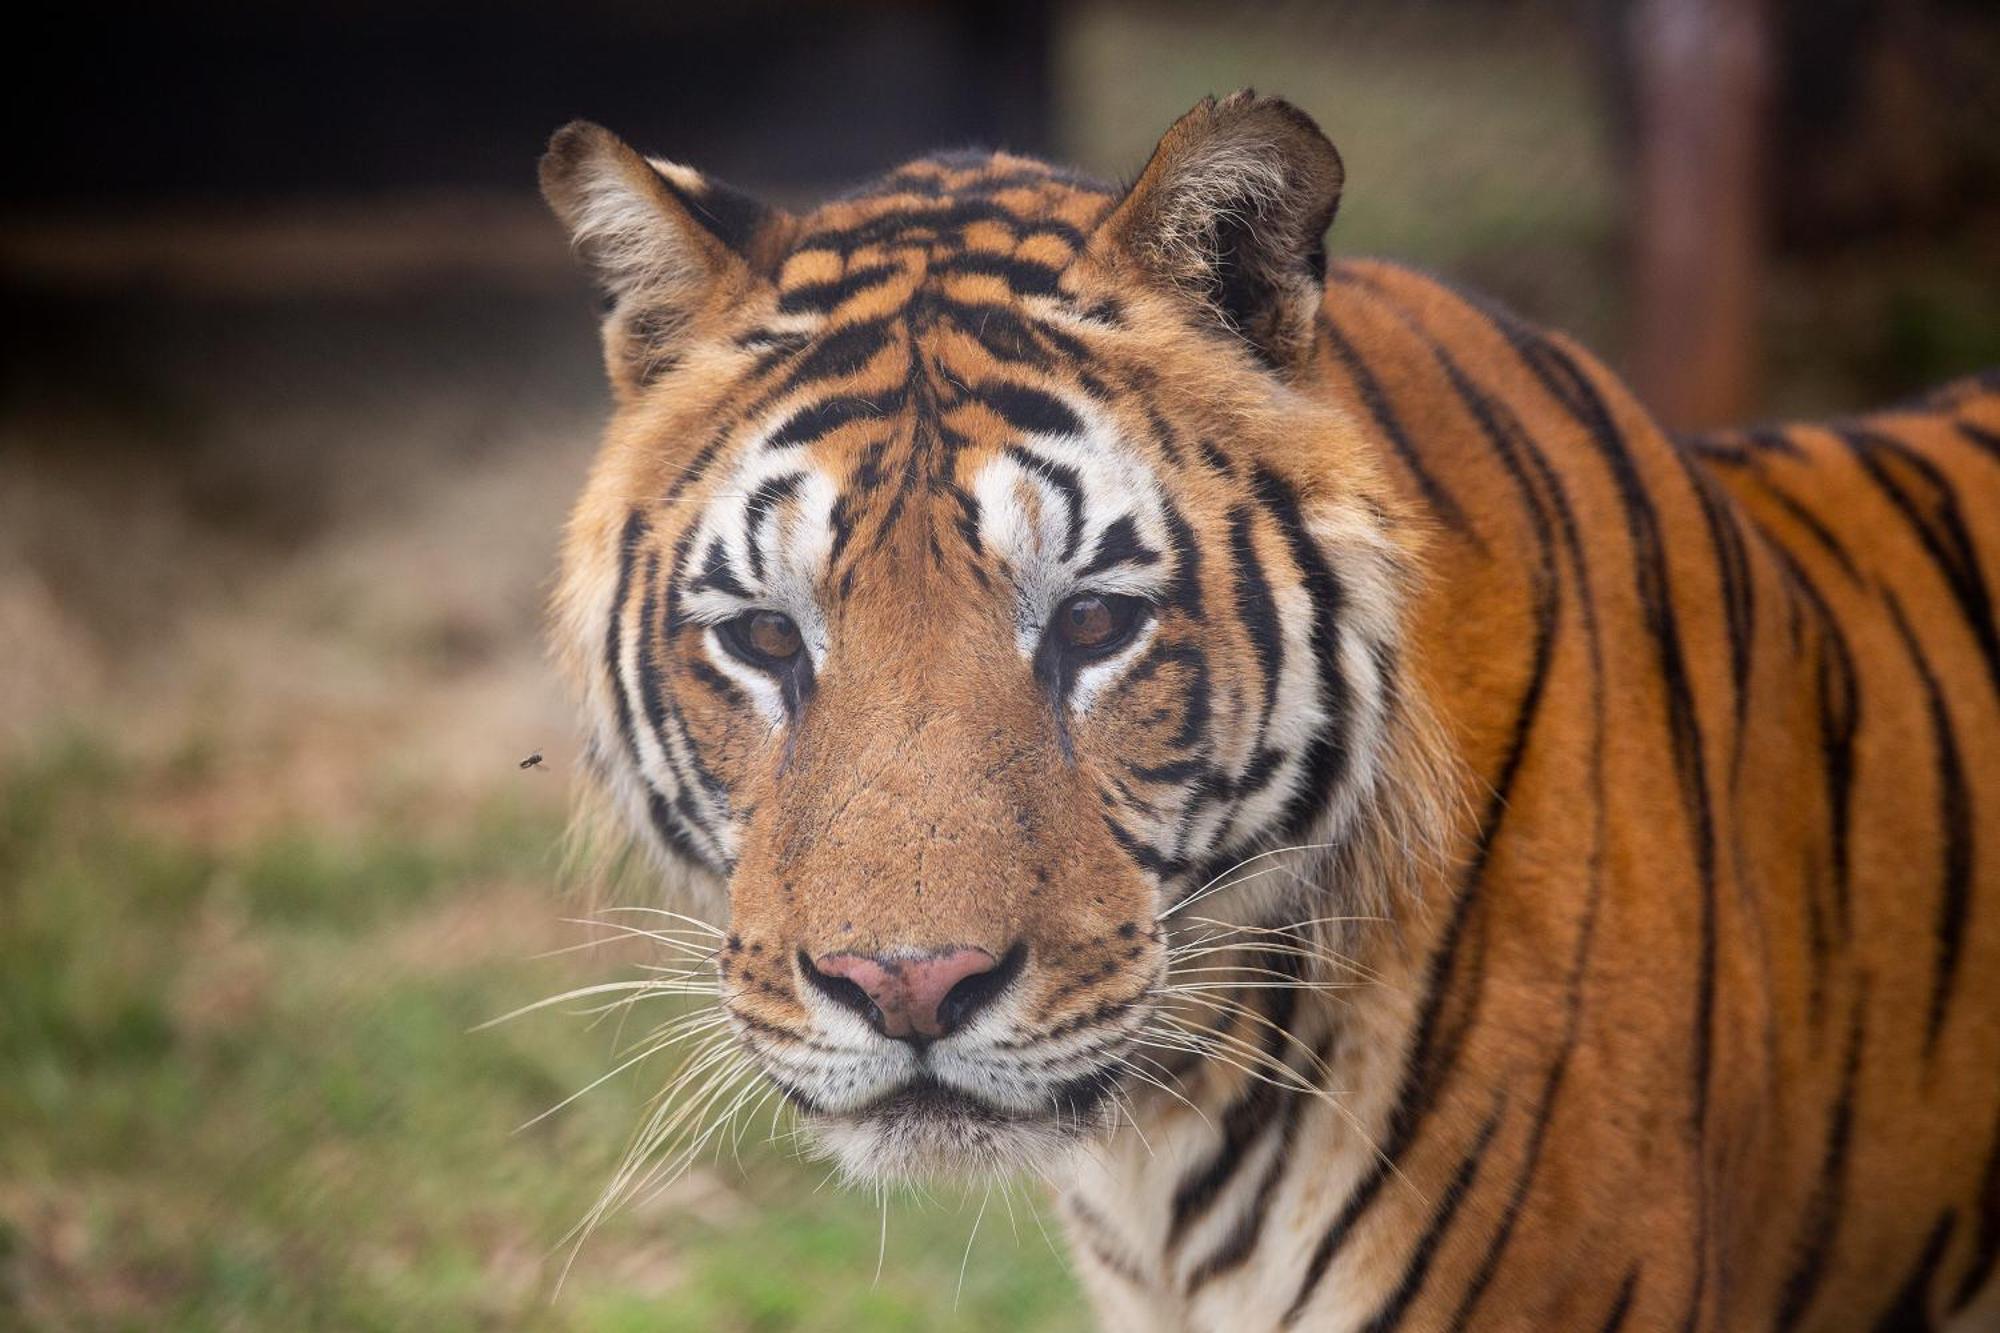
(915, 340)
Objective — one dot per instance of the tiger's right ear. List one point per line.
(1231, 212)
(662, 241)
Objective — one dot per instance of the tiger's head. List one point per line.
(966, 593)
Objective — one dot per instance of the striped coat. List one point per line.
(1292, 754)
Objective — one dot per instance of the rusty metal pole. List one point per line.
(1702, 74)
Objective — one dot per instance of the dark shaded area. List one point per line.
(1881, 114)
(1838, 141)
(229, 101)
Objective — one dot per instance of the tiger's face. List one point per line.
(960, 592)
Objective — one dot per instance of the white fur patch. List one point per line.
(1024, 517)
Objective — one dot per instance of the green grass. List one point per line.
(239, 1090)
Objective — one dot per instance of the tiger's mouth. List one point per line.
(929, 1095)
(928, 1127)
(925, 1095)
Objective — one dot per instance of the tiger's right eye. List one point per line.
(769, 639)
(1096, 624)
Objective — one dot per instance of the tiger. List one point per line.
(1292, 754)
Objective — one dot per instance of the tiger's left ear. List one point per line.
(1231, 212)
(663, 242)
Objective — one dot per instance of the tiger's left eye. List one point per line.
(768, 638)
(1096, 624)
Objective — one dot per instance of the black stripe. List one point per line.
(1074, 351)
(1376, 401)
(823, 418)
(1808, 520)
(1839, 707)
(1548, 505)
(1548, 501)
(1621, 1304)
(1248, 1118)
(772, 346)
(1248, 1115)
(1257, 609)
(762, 503)
(1164, 653)
(1102, 1243)
(1412, 1282)
(1326, 755)
(714, 681)
(676, 619)
(967, 520)
(1739, 602)
(1119, 544)
(1001, 331)
(844, 351)
(1029, 411)
(1551, 515)
(1986, 1242)
(958, 161)
(614, 640)
(716, 573)
(663, 713)
(1774, 439)
(910, 226)
(1164, 434)
(1985, 441)
(662, 817)
(699, 464)
(1024, 276)
(1143, 855)
(1185, 594)
(1954, 828)
(1489, 1264)
(823, 297)
(1939, 523)
(1829, 1197)
(1175, 771)
(1067, 482)
(1910, 1312)
(1236, 1248)
(1197, 703)
(1839, 725)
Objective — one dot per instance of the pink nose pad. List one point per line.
(909, 993)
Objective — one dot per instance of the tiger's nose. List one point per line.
(914, 998)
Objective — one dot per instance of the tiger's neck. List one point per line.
(1182, 1218)
(1277, 1181)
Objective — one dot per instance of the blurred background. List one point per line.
(296, 383)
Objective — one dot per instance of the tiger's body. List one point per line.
(1703, 1035)
(986, 577)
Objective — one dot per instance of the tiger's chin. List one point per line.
(930, 1131)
